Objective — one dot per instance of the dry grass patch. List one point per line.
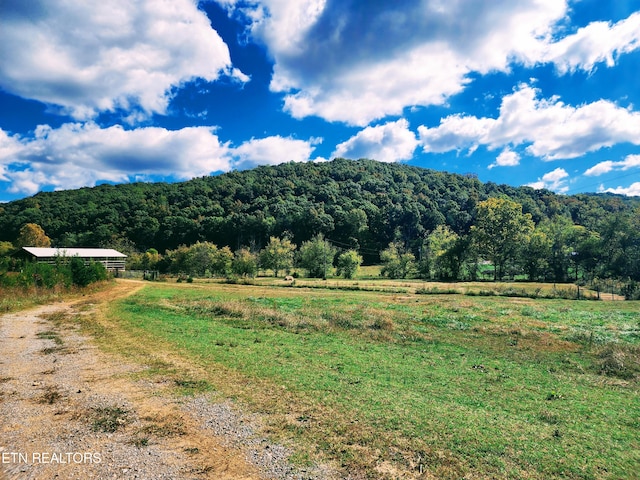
(622, 361)
(546, 342)
(50, 395)
(162, 426)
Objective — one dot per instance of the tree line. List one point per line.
(503, 242)
(317, 257)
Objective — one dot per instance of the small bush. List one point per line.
(82, 275)
(631, 291)
(64, 273)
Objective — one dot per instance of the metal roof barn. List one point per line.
(111, 259)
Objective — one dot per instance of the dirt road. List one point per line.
(69, 410)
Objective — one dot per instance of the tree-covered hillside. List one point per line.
(360, 204)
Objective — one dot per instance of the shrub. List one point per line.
(64, 273)
(619, 361)
(631, 290)
(348, 264)
(82, 275)
(316, 257)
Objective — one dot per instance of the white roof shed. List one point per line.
(111, 259)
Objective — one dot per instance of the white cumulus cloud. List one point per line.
(551, 129)
(76, 155)
(272, 151)
(83, 154)
(598, 42)
(507, 158)
(88, 57)
(391, 142)
(356, 61)
(555, 180)
(632, 190)
(631, 161)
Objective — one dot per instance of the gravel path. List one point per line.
(68, 410)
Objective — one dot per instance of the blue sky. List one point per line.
(543, 93)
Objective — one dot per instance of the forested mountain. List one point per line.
(360, 204)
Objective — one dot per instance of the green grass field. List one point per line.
(403, 385)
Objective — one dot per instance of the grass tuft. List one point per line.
(620, 361)
(140, 442)
(189, 387)
(50, 335)
(50, 396)
(109, 419)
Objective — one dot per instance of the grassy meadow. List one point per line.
(400, 385)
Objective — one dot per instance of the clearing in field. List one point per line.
(390, 385)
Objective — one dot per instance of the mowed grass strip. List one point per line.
(392, 385)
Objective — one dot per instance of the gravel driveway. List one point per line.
(68, 410)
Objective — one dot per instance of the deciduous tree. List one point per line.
(6, 248)
(316, 256)
(277, 255)
(244, 263)
(397, 261)
(348, 263)
(441, 251)
(32, 235)
(500, 231)
(536, 255)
